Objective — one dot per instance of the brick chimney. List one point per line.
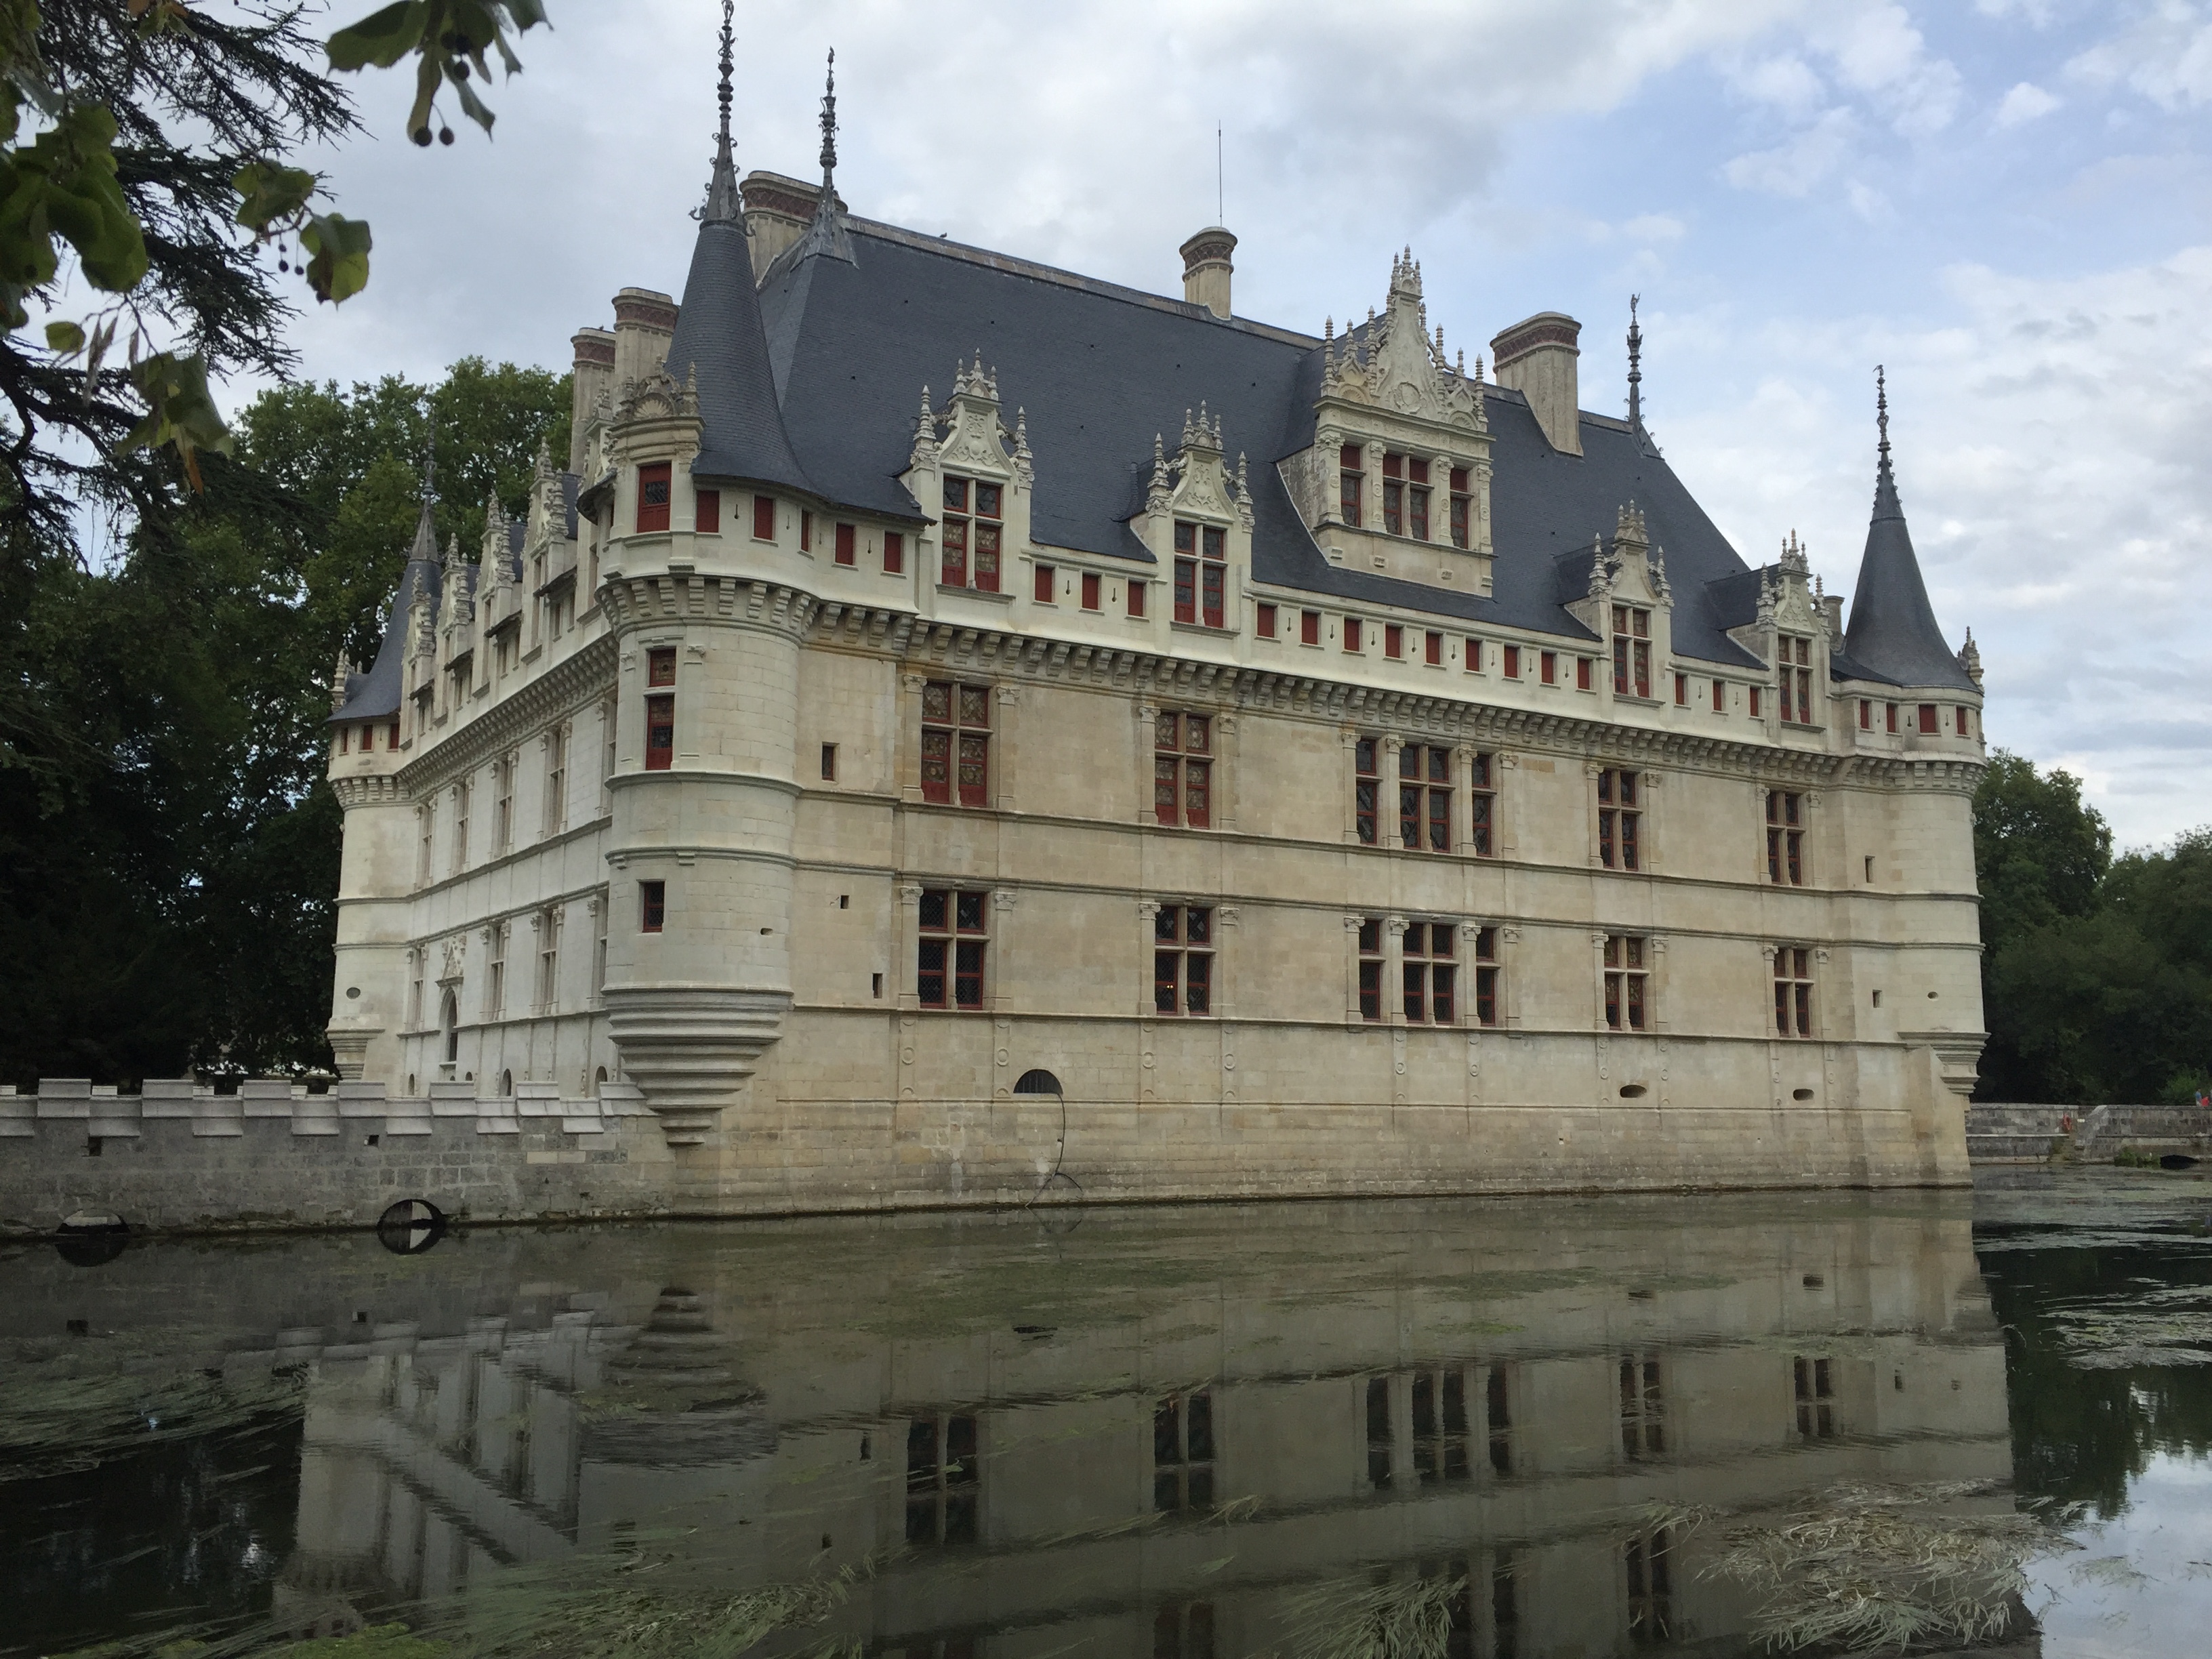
(595, 372)
(1206, 269)
(645, 321)
(1537, 358)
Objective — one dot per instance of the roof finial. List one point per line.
(429, 465)
(1635, 365)
(830, 125)
(1882, 414)
(723, 206)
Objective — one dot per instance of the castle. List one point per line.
(952, 729)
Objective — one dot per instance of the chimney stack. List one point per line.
(645, 321)
(777, 213)
(595, 372)
(1206, 269)
(1537, 358)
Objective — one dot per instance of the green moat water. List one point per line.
(1475, 1428)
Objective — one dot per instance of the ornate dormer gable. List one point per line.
(456, 604)
(1793, 631)
(1199, 510)
(1397, 480)
(968, 445)
(1629, 603)
(1970, 659)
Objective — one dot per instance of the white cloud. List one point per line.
(2024, 103)
(1794, 168)
(2164, 54)
(1877, 50)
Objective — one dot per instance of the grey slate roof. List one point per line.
(1893, 635)
(376, 694)
(719, 339)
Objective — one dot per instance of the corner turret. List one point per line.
(1894, 634)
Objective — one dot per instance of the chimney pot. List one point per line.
(1206, 269)
(1537, 358)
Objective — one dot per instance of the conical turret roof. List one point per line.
(376, 694)
(1894, 634)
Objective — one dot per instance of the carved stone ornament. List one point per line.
(660, 397)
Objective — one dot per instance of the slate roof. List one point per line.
(1893, 635)
(376, 694)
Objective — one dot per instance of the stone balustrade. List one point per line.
(105, 1113)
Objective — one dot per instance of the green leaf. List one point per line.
(64, 339)
(179, 410)
(270, 194)
(337, 248)
(472, 105)
(381, 39)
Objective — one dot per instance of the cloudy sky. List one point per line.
(2005, 201)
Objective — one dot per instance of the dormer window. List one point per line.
(1631, 651)
(1200, 573)
(652, 497)
(971, 531)
(1352, 473)
(1795, 656)
(1462, 504)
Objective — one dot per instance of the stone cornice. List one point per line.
(681, 596)
(371, 789)
(587, 672)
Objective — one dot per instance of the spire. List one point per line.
(724, 206)
(825, 235)
(1894, 634)
(1635, 367)
(426, 534)
(829, 127)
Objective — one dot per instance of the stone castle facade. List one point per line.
(950, 728)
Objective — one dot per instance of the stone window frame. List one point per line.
(1184, 757)
(1655, 986)
(1808, 976)
(1004, 739)
(555, 744)
(545, 981)
(1179, 944)
(1462, 789)
(1647, 809)
(460, 842)
(998, 903)
(1787, 844)
(495, 935)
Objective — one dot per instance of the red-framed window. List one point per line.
(1352, 484)
(948, 960)
(1719, 697)
(1795, 679)
(1583, 666)
(651, 906)
(1866, 714)
(1366, 789)
(1485, 978)
(973, 525)
(652, 497)
(1394, 495)
(1631, 651)
(1619, 819)
(1137, 597)
(392, 735)
(1370, 968)
(1351, 635)
(1201, 574)
(1474, 655)
(956, 744)
(1548, 667)
(1183, 770)
(1182, 959)
(1890, 717)
(660, 709)
(1394, 641)
(1785, 837)
(1417, 499)
(1462, 508)
(1432, 649)
(1425, 795)
(1310, 626)
(1681, 690)
(1263, 620)
(1751, 692)
(1512, 662)
(1627, 990)
(847, 551)
(1793, 991)
(806, 531)
(894, 553)
(1041, 587)
(764, 518)
(1429, 972)
(1927, 722)
(1482, 809)
(1090, 591)
(1962, 712)
(707, 511)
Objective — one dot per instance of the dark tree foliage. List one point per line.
(166, 896)
(2096, 974)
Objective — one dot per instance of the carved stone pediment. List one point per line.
(658, 396)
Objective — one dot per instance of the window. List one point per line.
(1631, 651)
(1432, 649)
(652, 906)
(460, 828)
(829, 762)
(1892, 718)
(1485, 976)
(1498, 1412)
(944, 1479)
(956, 744)
(502, 805)
(1040, 588)
(652, 497)
(1681, 690)
(415, 960)
(1182, 1451)
(806, 531)
(1866, 714)
(1547, 667)
(1417, 499)
(1583, 670)
(764, 518)
(1394, 495)
(1512, 662)
(707, 511)
(549, 958)
(1927, 722)
(1264, 621)
(1786, 838)
(1394, 641)
(392, 735)
(1474, 655)
(426, 824)
(1182, 959)
(1430, 973)
(970, 535)
(1960, 712)
(1378, 1431)
(600, 909)
(607, 734)
(1310, 626)
(1643, 1408)
(893, 552)
(1351, 635)
(1650, 1588)
(1751, 692)
(1199, 573)
(1482, 815)
(1182, 769)
(1366, 788)
(660, 709)
(1793, 991)
(556, 779)
(1440, 1427)
(950, 962)
(1814, 1382)
(495, 973)
(1619, 819)
(1461, 501)
(1090, 591)
(1137, 601)
(1425, 793)
(1795, 679)
(1352, 484)
(1720, 697)
(1627, 1002)
(847, 553)
(1370, 968)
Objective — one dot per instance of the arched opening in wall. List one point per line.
(411, 1083)
(449, 1021)
(1038, 1082)
(599, 1081)
(2177, 1161)
(1633, 1091)
(506, 1084)
(1801, 1094)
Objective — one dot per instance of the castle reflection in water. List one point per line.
(1150, 1431)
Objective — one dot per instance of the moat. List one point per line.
(1496, 1429)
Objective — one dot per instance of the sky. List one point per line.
(2005, 202)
